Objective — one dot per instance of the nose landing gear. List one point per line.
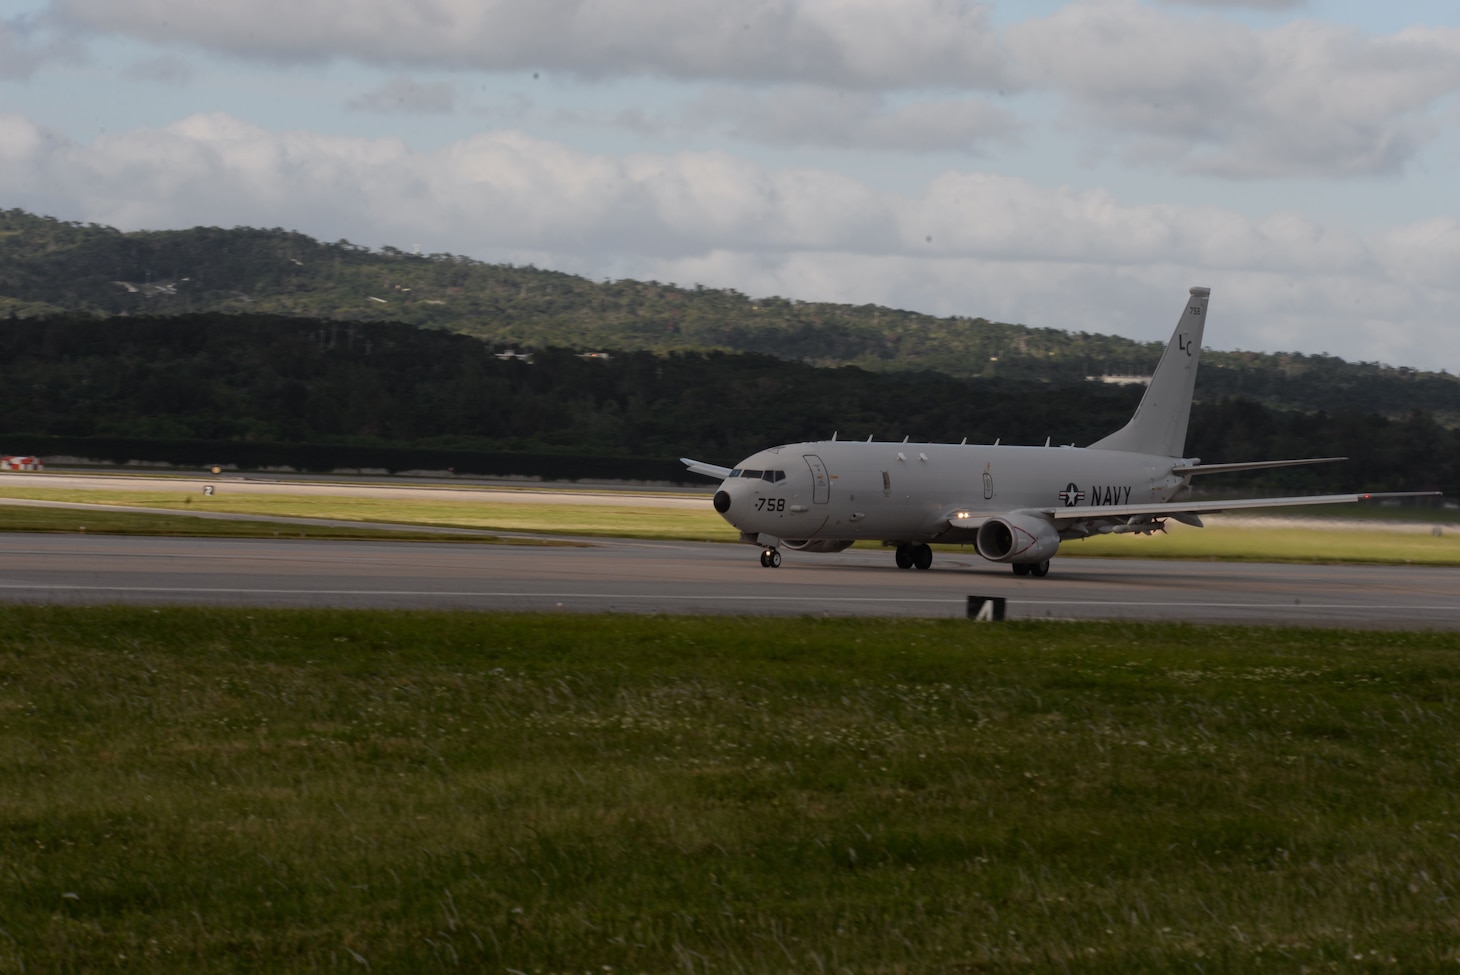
(770, 559)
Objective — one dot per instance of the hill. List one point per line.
(49, 267)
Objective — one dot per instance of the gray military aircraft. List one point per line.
(1015, 504)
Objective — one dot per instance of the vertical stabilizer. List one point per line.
(1159, 424)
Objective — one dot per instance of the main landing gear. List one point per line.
(909, 556)
(1036, 569)
(770, 559)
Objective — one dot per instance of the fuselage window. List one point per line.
(988, 486)
(886, 482)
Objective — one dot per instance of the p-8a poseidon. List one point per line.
(1014, 504)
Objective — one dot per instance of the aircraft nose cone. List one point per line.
(722, 501)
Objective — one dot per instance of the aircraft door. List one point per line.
(820, 482)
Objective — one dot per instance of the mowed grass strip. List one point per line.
(99, 521)
(251, 790)
(629, 520)
(1286, 544)
(1281, 544)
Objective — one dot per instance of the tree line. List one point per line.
(252, 383)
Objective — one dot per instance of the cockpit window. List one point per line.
(775, 476)
(754, 474)
(735, 473)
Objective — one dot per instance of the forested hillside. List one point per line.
(49, 266)
(234, 381)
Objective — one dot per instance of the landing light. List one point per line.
(962, 515)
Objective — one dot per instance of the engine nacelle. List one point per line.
(1017, 537)
(819, 545)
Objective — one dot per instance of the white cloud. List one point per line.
(966, 243)
(27, 44)
(1425, 254)
(160, 71)
(803, 115)
(1155, 86)
(1222, 99)
(1240, 4)
(1217, 98)
(403, 96)
(848, 42)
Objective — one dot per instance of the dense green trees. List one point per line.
(264, 379)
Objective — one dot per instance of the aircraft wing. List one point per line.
(709, 470)
(962, 523)
(1190, 507)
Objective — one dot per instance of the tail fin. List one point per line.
(1159, 424)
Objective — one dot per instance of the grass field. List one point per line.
(1377, 544)
(1280, 544)
(597, 520)
(247, 790)
(103, 522)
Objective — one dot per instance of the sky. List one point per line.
(1073, 164)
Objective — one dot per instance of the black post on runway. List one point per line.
(986, 608)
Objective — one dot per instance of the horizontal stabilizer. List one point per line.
(709, 470)
(1253, 465)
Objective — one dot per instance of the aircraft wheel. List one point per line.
(904, 556)
(1041, 570)
(1022, 568)
(770, 559)
(922, 556)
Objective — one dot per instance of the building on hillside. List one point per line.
(18, 463)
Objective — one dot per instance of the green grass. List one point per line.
(1378, 544)
(251, 790)
(1285, 544)
(567, 519)
(102, 522)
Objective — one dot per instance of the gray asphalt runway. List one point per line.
(680, 577)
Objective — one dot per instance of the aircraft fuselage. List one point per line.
(905, 492)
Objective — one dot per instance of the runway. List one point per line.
(629, 576)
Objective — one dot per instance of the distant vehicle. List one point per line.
(10, 462)
(1015, 504)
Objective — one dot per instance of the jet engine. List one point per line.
(1017, 537)
(820, 545)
